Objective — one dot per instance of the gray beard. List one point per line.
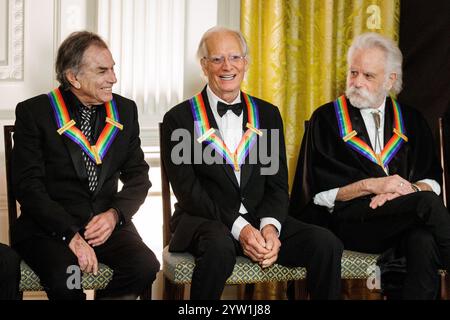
(363, 100)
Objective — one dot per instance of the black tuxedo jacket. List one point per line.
(49, 175)
(328, 162)
(211, 191)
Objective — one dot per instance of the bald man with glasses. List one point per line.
(230, 201)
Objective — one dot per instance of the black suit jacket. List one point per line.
(49, 176)
(328, 162)
(211, 191)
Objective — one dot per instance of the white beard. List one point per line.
(362, 99)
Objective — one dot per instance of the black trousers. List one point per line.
(9, 273)
(134, 264)
(418, 224)
(302, 244)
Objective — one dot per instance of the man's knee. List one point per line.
(58, 287)
(146, 267)
(9, 264)
(220, 250)
(218, 253)
(429, 203)
(421, 242)
(326, 242)
(215, 240)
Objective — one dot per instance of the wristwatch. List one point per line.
(415, 187)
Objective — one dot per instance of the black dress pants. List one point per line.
(313, 247)
(9, 273)
(133, 263)
(418, 224)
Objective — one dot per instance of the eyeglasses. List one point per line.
(219, 60)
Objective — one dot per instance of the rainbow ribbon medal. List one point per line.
(350, 136)
(67, 127)
(207, 134)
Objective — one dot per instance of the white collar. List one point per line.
(381, 109)
(213, 98)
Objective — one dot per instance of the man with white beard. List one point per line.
(371, 169)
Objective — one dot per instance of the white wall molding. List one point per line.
(146, 38)
(12, 68)
(229, 13)
(74, 15)
(33, 28)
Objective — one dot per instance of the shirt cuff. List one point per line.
(69, 234)
(121, 220)
(266, 221)
(326, 198)
(237, 227)
(433, 184)
(242, 209)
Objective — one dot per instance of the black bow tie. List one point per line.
(222, 108)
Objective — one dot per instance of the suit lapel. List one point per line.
(396, 162)
(74, 150)
(388, 121)
(212, 121)
(359, 126)
(76, 156)
(358, 123)
(246, 168)
(106, 162)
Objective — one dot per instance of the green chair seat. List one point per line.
(357, 265)
(30, 281)
(178, 268)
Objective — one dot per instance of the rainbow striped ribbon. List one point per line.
(67, 127)
(350, 136)
(206, 133)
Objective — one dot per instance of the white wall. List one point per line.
(202, 15)
(30, 51)
(31, 31)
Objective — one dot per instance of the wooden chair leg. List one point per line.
(445, 288)
(301, 290)
(356, 289)
(249, 290)
(172, 291)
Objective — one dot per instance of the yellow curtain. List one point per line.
(298, 60)
(298, 53)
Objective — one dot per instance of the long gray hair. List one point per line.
(394, 57)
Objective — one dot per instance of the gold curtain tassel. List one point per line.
(114, 123)
(206, 135)
(66, 127)
(252, 128)
(401, 135)
(350, 135)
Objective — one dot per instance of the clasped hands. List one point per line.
(388, 188)
(98, 230)
(260, 246)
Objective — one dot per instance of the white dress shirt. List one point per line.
(328, 197)
(230, 127)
